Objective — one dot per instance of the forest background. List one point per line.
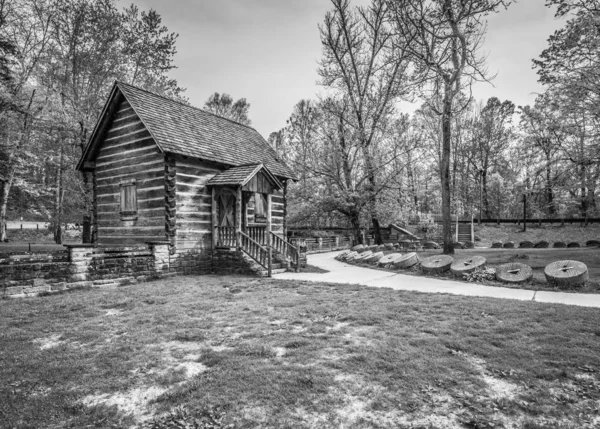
(361, 161)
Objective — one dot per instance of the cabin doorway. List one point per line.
(226, 228)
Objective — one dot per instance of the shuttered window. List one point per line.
(129, 201)
(260, 207)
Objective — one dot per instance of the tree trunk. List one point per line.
(549, 192)
(445, 172)
(372, 179)
(4, 192)
(58, 201)
(355, 222)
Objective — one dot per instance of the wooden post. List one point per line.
(270, 267)
(215, 218)
(238, 217)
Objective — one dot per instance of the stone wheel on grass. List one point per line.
(573, 244)
(565, 274)
(514, 273)
(431, 245)
(409, 260)
(342, 255)
(542, 245)
(363, 256)
(465, 266)
(592, 243)
(358, 247)
(526, 244)
(437, 264)
(374, 258)
(389, 246)
(497, 245)
(559, 245)
(350, 256)
(509, 245)
(389, 259)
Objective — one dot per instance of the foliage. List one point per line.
(69, 54)
(223, 105)
(480, 275)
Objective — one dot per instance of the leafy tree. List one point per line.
(361, 62)
(224, 106)
(443, 38)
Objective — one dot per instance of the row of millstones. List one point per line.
(563, 274)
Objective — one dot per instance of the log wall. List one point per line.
(127, 152)
(193, 216)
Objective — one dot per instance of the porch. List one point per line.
(242, 216)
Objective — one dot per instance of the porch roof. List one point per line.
(241, 175)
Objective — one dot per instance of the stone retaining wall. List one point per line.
(85, 265)
(82, 266)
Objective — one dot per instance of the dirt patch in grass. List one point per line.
(294, 354)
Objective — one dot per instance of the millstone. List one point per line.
(389, 246)
(566, 274)
(509, 245)
(342, 255)
(389, 259)
(362, 256)
(526, 245)
(358, 247)
(373, 247)
(559, 245)
(374, 258)
(350, 256)
(407, 261)
(514, 272)
(437, 264)
(465, 266)
(542, 245)
(469, 245)
(592, 243)
(497, 245)
(458, 245)
(431, 245)
(573, 244)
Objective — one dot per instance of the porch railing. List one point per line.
(257, 233)
(285, 248)
(255, 250)
(226, 236)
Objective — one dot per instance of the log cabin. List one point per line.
(164, 171)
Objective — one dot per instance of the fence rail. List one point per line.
(226, 236)
(285, 248)
(257, 252)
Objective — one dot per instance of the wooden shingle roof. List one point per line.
(242, 175)
(185, 130)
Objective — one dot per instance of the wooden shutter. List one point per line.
(260, 207)
(128, 201)
(226, 210)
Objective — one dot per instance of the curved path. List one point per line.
(340, 272)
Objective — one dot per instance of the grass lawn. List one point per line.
(551, 233)
(267, 353)
(537, 259)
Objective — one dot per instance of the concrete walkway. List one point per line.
(340, 272)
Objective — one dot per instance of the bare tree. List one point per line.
(361, 62)
(444, 39)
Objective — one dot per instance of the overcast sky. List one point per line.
(267, 51)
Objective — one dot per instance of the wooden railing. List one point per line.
(285, 248)
(255, 250)
(257, 233)
(226, 236)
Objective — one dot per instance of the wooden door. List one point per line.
(226, 210)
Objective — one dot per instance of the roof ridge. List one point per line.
(184, 104)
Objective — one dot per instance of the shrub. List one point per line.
(480, 275)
